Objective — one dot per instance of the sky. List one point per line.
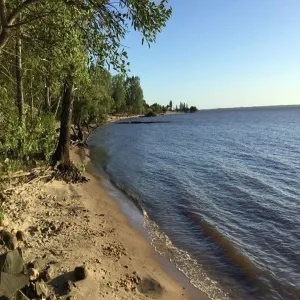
(222, 53)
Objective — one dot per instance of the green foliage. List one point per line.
(183, 107)
(24, 144)
(119, 93)
(94, 101)
(67, 42)
(156, 108)
(193, 109)
(82, 166)
(134, 95)
(150, 114)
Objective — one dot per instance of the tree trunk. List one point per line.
(80, 133)
(47, 98)
(31, 103)
(57, 106)
(4, 37)
(20, 97)
(62, 152)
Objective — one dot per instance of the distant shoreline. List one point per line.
(251, 107)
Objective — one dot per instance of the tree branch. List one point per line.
(26, 21)
(19, 9)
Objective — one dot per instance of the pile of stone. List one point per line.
(26, 280)
(18, 278)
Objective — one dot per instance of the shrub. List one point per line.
(24, 144)
(150, 114)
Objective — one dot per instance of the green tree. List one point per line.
(157, 108)
(171, 105)
(119, 93)
(134, 95)
(103, 26)
(93, 102)
(193, 109)
(62, 38)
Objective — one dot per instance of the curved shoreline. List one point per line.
(134, 222)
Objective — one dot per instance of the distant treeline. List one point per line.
(158, 109)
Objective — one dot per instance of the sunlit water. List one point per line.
(220, 193)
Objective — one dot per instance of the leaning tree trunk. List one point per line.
(62, 152)
(19, 80)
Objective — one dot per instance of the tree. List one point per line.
(67, 37)
(134, 95)
(19, 77)
(93, 101)
(171, 105)
(157, 108)
(193, 109)
(103, 26)
(119, 93)
(10, 20)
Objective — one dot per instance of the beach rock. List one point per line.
(49, 273)
(11, 277)
(39, 264)
(33, 274)
(41, 289)
(11, 283)
(9, 239)
(20, 235)
(11, 262)
(150, 287)
(80, 272)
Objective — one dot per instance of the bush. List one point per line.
(193, 109)
(24, 144)
(150, 114)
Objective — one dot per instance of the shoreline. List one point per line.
(134, 220)
(66, 226)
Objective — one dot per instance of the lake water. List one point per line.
(220, 191)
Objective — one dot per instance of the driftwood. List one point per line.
(31, 177)
(17, 175)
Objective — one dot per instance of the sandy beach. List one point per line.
(70, 225)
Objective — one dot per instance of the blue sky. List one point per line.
(223, 53)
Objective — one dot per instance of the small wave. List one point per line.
(183, 261)
(190, 267)
(229, 249)
(135, 199)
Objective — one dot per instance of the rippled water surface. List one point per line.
(220, 191)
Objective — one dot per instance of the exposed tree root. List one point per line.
(68, 173)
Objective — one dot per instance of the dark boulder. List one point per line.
(80, 273)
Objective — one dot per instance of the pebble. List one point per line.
(20, 235)
(80, 272)
(9, 239)
(33, 274)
